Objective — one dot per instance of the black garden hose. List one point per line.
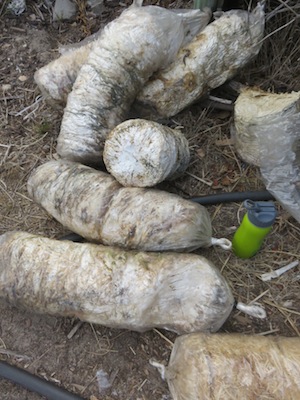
(230, 197)
(35, 383)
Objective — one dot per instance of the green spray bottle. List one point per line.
(255, 226)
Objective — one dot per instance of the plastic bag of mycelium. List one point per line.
(94, 205)
(266, 131)
(233, 366)
(112, 287)
(55, 80)
(214, 56)
(143, 153)
(128, 51)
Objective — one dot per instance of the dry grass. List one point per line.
(277, 66)
(28, 131)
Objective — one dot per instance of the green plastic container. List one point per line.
(255, 226)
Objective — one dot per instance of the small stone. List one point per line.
(5, 87)
(17, 7)
(22, 78)
(64, 9)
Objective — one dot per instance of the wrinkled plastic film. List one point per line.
(280, 161)
(266, 132)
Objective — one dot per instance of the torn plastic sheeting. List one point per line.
(267, 133)
(278, 272)
(97, 6)
(66, 9)
(103, 380)
(196, 20)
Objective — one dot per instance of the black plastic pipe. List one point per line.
(262, 195)
(35, 383)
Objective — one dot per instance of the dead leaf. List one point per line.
(200, 153)
(6, 87)
(22, 78)
(226, 181)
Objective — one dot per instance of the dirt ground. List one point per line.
(48, 346)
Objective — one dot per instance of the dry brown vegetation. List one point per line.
(28, 132)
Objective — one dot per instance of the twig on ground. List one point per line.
(15, 355)
(164, 337)
(278, 272)
(74, 330)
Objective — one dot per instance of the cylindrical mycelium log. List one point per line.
(130, 48)
(144, 153)
(211, 58)
(94, 205)
(55, 80)
(108, 286)
(234, 366)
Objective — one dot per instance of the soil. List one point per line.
(48, 346)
